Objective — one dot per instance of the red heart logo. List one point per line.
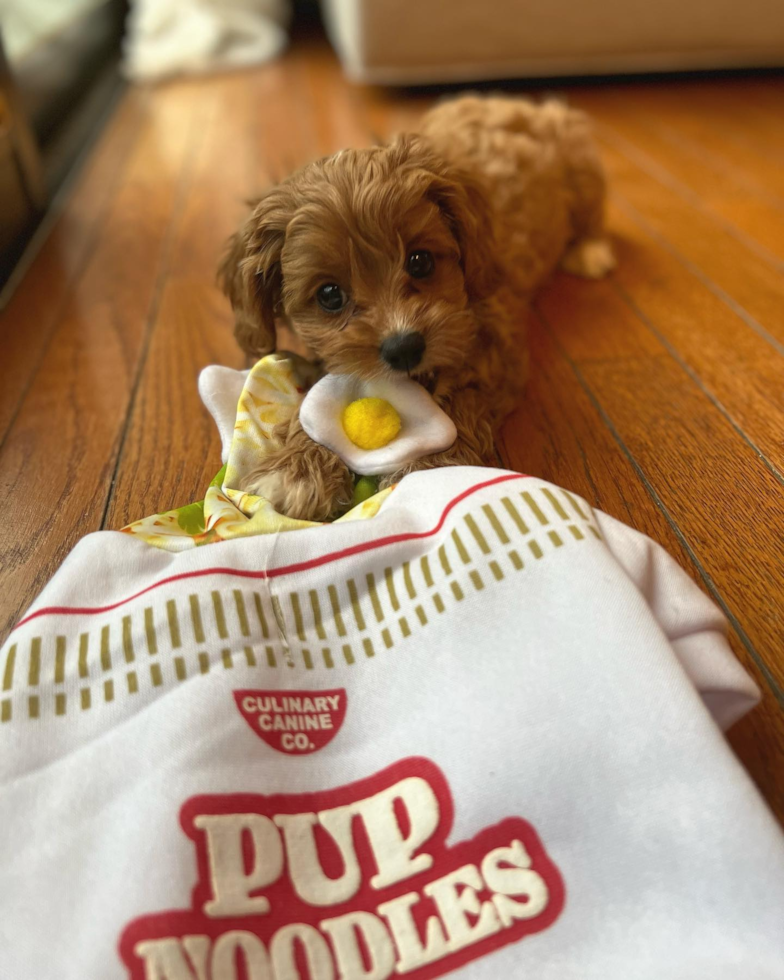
(294, 722)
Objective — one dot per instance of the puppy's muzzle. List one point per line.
(403, 351)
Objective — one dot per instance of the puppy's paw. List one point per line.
(305, 500)
(591, 258)
(309, 483)
(268, 485)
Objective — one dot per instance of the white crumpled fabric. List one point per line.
(173, 37)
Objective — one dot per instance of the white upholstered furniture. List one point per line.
(422, 41)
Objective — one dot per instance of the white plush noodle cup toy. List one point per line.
(376, 427)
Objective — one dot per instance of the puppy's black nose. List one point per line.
(403, 351)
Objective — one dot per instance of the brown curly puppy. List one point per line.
(418, 257)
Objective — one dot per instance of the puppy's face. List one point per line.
(374, 257)
(378, 292)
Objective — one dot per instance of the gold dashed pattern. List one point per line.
(308, 628)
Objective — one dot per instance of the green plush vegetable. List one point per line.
(364, 488)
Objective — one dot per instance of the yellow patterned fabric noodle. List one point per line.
(273, 389)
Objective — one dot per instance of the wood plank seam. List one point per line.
(663, 176)
(713, 399)
(715, 162)
(650, 490)
(186, 179)
(39, 241)
(745, 157)
(750, 321)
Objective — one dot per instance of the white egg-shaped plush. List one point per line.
(376, 427)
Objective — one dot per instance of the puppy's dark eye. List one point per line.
(420, 264)
(331, 297)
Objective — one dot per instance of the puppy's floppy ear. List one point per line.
(250, 273)
(467, 209)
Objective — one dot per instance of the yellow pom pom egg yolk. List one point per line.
(371, 423)
(423, 427)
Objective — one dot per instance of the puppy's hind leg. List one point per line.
(590, 253)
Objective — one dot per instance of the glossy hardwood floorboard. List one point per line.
(657, 394)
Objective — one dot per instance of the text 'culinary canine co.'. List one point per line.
(295, 722)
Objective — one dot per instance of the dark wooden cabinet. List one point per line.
(22, 190)
(53, 99)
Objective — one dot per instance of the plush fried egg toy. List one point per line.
(376, 427)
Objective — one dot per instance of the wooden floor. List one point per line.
(658, 394)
